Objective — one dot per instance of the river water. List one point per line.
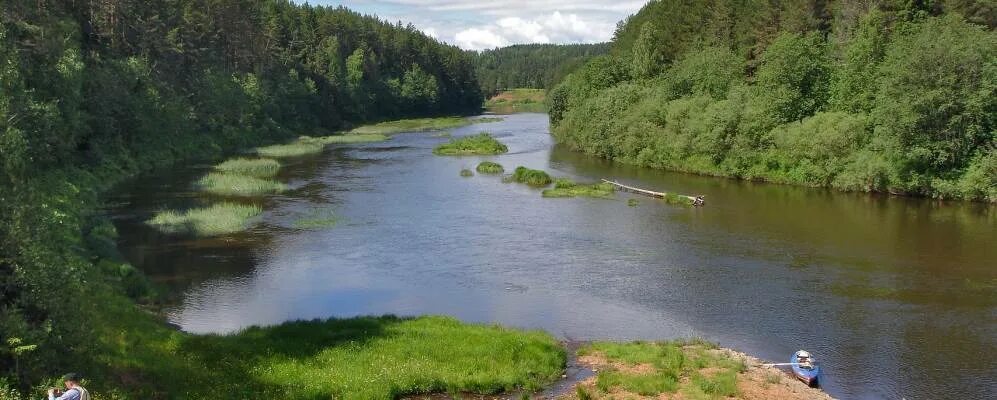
(896, 296)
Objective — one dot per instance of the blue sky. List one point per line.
(477, 25)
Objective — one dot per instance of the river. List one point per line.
(896, 296)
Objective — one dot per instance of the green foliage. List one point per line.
(227, 184)
(480, 144)
(532, 177)
(534, 66)
(256, 167)
(666, 367)
(317, 219)
(294, 149)
(897, 99)
(488, 167)
(218, 219)
(644, 57)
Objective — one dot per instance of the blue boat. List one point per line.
(805, 367)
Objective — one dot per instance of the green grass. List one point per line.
(238, 185)
(564, 187)
(517, 100)
(344, 139)
(672, 198)
(633, 202)
(257, 167)
(488, 167)
(669, 363)
(480, 144)
(420, 125)
(214, 220)
(466, 173)
(533, 177)
(317, 219)
(293, 149)
(373, 358)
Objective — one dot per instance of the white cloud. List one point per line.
(431, 32)
(553, 28)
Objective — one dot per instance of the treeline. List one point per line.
(533, 66)
(880, 96)
(94, 91)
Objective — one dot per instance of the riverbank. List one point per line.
(517, 101)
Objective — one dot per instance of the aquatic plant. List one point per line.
(534, 177)
(293, 149)
(673, 198)
(466, 173)
(420, 125)
(480, 144)
(257, 167)
(632, 202)
(227, 184)
(214, 220)
(488, 167)
(564, 187)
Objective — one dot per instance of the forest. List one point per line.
(96, 91)
(532, 66)
(878, 96)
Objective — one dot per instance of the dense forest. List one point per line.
(533, 66)
(880, 96)
(94, 91)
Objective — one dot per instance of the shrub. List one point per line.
(533, 177)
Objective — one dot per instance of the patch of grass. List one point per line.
(379, 358)
(517, 100)
(420, 125)
(533, 177)
(214, 220)
(772, 378)
(480, 144)
(466, 173)
(238, 185)
(672, 198)
(256, 167)
(488, 167)
(293, 149)
(564, 187)
(665, 367)
(344, 139)
(316, 219)
(632, 202)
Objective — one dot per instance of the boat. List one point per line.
(805, 368)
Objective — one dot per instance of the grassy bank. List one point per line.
(564, 187)
(480, 144)
(516, 101)
(420, 125)
(688, 370)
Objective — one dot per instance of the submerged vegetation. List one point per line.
(898, 97)
(488, 167)
(317, 219)
(293, 149)
(695, 370)
(466, 173)
(217, 219)
(480, 144)
(564, 187)
(227, 184)
(533, 177)
(420, 125)
(345, 139)
(256, 167)
(517, 101)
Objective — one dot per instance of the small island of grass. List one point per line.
(227, 184)
(564, 187)
(214, 220)
(488, 167)
(256, 167)
(532, 177)
(480, 144)
(466, 173)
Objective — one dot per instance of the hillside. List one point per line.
(889, 96)
(531, 66)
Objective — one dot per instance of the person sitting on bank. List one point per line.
(73, 389)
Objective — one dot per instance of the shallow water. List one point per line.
(897, 297)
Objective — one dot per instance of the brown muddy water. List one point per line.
(896, 296)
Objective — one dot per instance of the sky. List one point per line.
(486, 24)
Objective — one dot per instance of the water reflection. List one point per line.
(893, 294)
